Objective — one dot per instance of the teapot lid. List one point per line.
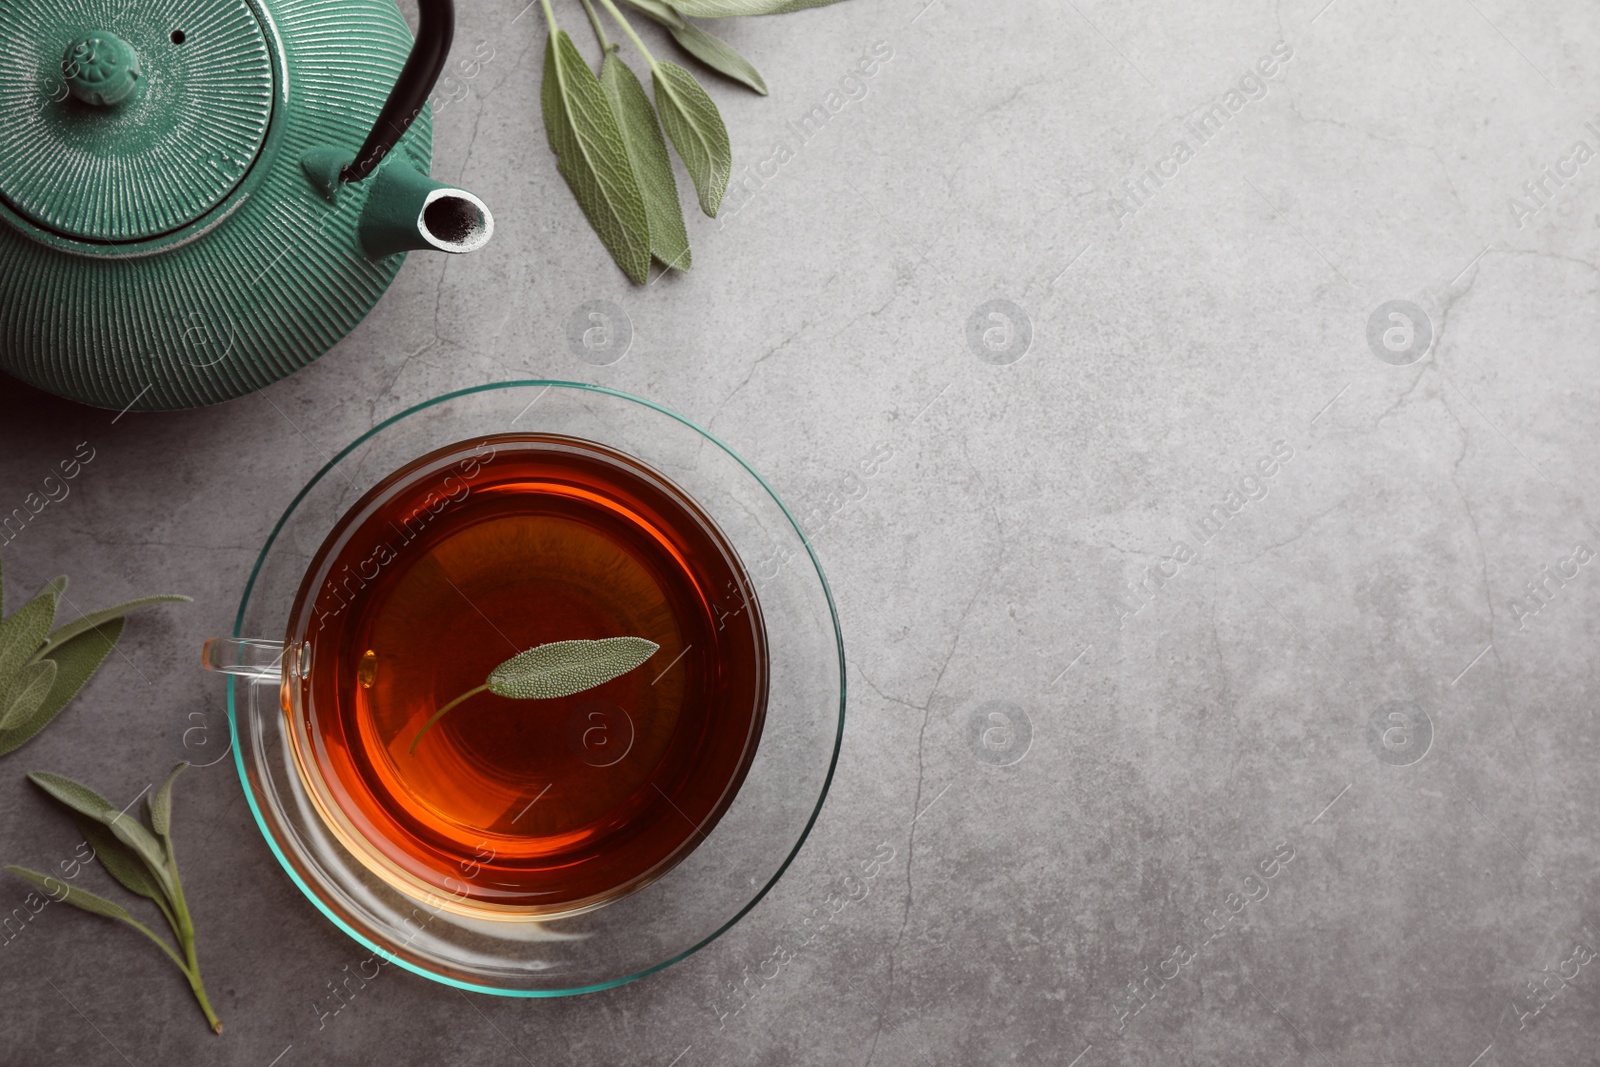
(124, 121)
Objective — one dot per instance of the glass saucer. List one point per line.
(740, 857)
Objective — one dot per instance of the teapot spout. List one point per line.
(408, 211)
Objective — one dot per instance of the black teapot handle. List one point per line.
(436, 28)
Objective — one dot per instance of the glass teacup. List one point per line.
(465, 558)
(673, 793)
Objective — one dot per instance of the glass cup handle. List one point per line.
(260, 661)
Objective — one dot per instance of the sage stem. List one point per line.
(599, 30)
(186, 937)
(628, 29)
(440, 714)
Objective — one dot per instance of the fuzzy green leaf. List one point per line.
(697, 131)
(23, 633)
(592, 157)
(77, 660)
(161, 803)
(557, 669)
(128, 830)
(57, 585)
(78, 797)
(722, 9)
(26, 691)
(562, 668)
(94, 619)
(78, 898)
(122, 862)
(647, 153)
(717, 54)
(658, 10)
(128, 847)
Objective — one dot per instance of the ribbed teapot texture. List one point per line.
(172, 229)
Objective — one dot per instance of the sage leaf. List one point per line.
(161, 803)
(78, 898)
(647, 153)
(76, 659)
(128, 830)
(133, 833)
(592, 157)
(27, 690)
(128, 846)
(697, 131)
(78, 797)
(658, 10)
(57, 585)
(117, 858)
(722, 9)
(562, 668)
(23, 633)
(717, 54)
(558, 669)
(95, 619)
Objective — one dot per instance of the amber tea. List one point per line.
(469, 556)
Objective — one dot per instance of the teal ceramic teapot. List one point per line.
(199, 197)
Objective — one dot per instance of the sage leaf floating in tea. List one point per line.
(41, 669)
(557, 669)
(141, 858)
(563, 668)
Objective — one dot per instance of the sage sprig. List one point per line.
(708, 48)
(42, 668)
(557, 669)
(607, 136)
(722, 9)
(139, 857)
(691, 120)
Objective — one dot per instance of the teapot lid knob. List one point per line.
(100, 69)
(132, 128)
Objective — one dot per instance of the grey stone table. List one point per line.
(1221, 624)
